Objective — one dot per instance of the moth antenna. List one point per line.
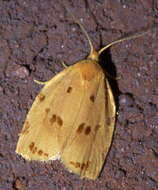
(94, 55)
(121, 40)
(92, 50)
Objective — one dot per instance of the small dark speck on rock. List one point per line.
(120, 173)
(151, 109)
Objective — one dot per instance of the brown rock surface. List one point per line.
(34, 37)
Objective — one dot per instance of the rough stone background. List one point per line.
(35, 35)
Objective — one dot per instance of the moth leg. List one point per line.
(112, 77)
(40, 82)
(64, 65)
(119, 77)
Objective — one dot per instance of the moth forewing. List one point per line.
(91, 138)
(35, 141)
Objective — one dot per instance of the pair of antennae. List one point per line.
(92, 50)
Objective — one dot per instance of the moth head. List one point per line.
(94, 55)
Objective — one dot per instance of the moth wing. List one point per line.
(40, 137)
(88, 145)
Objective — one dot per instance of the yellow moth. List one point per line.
(72, 118)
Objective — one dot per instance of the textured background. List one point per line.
(35, 35)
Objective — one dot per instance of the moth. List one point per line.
(73, 117)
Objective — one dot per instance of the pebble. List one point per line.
(126, 100)
(22, 72)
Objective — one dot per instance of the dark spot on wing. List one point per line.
(69, 89)
(78, 165)
(46, 154)
(80, 128)
(59, 121)
(82, 166)
(92, 98)
(31, 146)
(87, 130)
(34, 150)
(53, 119)
(56, 119)
(41, 97)
(40, 152)
(73, 163)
